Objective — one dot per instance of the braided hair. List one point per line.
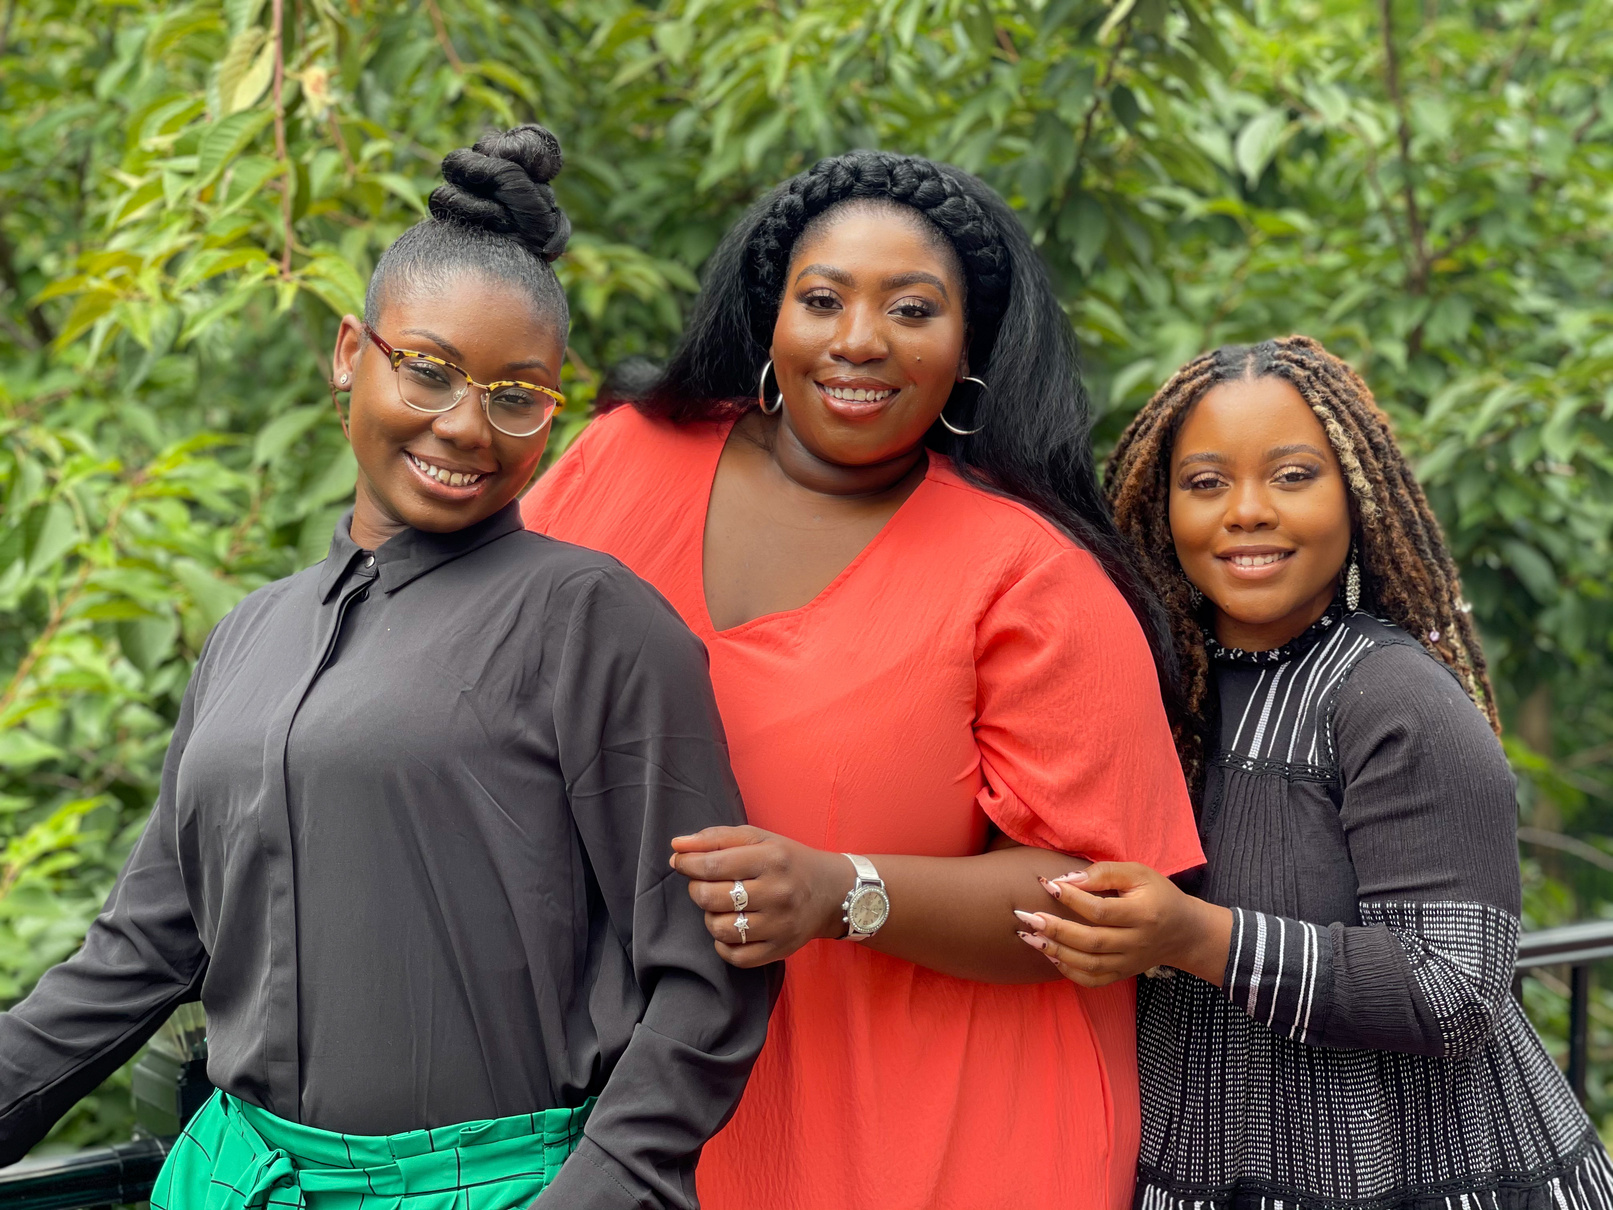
(1407, 574)
(1035, 422)
(494, 214)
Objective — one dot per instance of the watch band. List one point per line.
(865, 869)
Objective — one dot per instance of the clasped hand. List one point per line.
(794, 892)
(1131, 919)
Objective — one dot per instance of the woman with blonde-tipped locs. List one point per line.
(1332, 1025)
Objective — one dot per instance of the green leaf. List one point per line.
(224, 140)
(57, 535)
(211, 262)
(334, 281)
(20, 749)
(241, 13)
(276, 437)
(211, 596)
(246, 70)
(148, 641)
(1258, 142)
(1533, 568)
(89, 308)
(402, 187)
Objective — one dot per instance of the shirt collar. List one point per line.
(405, 557)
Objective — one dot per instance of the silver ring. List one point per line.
(743, 926)
(740, 896)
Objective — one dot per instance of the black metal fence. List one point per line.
(1578, 947)
(113, 1176)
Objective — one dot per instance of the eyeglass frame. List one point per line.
(396, 356)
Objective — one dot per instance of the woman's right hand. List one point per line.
(794, 891)
(1130, 919)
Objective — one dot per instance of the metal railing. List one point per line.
(112, 1176)
(1578, 947)
(99, 1176)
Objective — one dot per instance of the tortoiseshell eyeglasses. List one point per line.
(430, 384)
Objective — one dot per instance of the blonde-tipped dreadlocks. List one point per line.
(1407, 574)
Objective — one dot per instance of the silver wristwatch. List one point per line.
(866, 906)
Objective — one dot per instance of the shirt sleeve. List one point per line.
(141, 958)
(642, 748)
(1429, 813)
(1075, 748)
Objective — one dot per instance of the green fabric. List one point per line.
(235, 1156)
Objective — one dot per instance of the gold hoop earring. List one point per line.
(954, 429)
(761, 392)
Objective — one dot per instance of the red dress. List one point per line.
(970, 665)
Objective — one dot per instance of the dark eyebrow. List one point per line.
(1283, 451)
(445, 345)
(531, 363)
(917, 277)
(838, 276)
(1217, 459)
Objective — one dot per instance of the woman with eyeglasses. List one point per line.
(410, 850)
(865, 481)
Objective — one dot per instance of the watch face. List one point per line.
(869, 907)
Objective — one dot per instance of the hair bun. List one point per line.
(502, 185)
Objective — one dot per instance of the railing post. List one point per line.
(1579, 1028)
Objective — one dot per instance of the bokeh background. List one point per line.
(192, 194)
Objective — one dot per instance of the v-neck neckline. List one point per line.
(823, 593)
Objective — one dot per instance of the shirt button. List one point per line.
(369, 561)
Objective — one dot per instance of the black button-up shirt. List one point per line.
(411, 852)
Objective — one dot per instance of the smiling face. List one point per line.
(1259, 511)
(442, 472)
(870, 336)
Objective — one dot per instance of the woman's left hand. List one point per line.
(1142, 920)
(793, 891)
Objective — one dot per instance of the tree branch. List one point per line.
(441, 26)
(37, 323)
(288, 180)
(1414, 218)
(1511, 66)
(1097, 96)
(1566, 844)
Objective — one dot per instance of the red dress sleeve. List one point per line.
(1074, 744)
(548, 502)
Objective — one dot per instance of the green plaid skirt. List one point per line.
(235, 1156)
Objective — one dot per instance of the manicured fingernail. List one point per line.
(1032, 940)
(1051, 959)
(1029, 918)
(1076, 876)
(1052, 888)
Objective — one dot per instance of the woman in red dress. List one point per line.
(934, 689)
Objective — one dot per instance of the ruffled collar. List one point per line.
(1296, 646)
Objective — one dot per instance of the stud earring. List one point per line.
(342, 381)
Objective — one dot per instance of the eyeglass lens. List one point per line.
(514, 411)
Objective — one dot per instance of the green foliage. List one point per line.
(192, 194)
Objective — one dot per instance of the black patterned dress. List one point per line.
(1365, 1052)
